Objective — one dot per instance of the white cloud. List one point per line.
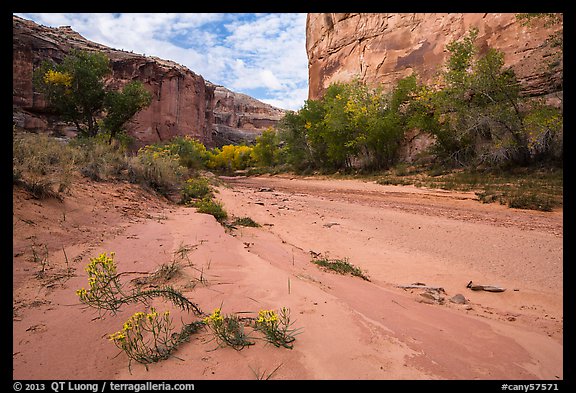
(269, 80)
(292, 99)
(243, 52)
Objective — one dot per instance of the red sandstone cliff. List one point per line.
(383, 48)
(239, 117)
(183, 102)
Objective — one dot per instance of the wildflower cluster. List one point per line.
(105, 288)
(159, 152)
(228, 329)
(276, 327)
(149, 338)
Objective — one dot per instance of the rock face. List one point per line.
(240, 118)
(383, 48)
(183, 102)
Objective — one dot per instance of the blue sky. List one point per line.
(262, 55)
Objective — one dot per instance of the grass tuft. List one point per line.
(341, 266)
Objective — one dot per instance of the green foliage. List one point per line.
(341, 266)
(266, 151)
(228, 330)
(460, 60)
(214, 208)
(101, 160)
(158, 168)
(75, 90)
(123, 105)
(292, 131)
(543, 125)
(477, 114)
(351, 123)
(276, 327)
(192, 153)
(150, 338)
(474, 111)
(245, 222)
(195, 188)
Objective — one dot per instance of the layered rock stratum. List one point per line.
(183, 103)
(239, 117)
(381, 48)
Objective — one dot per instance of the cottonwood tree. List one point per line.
(75, 89)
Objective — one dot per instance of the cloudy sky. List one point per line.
(262, 55)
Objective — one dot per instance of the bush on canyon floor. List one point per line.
(195, 189)
(43, 165)
(212, 207)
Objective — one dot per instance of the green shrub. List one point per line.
(341, 266)
(192, 153)
(195, 188)
(209, 206)
(157, 168)
(530, 200)
(245, 222)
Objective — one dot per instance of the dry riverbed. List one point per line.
(414, 319)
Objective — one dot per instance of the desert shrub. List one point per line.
(192, 153)
(341, 266)
(245, 222)
(42, 164)
(214, 208)
(276, 327)
(157, 168)
(195, 188)
(151, 337)
(101, 160)
(530, 200)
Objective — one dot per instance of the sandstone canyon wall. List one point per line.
(184, 103)
(239, 117)
(383, 48)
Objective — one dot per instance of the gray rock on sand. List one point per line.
(458, 299)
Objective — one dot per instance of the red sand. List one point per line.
(350, 328)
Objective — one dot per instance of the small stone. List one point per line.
(458, 299)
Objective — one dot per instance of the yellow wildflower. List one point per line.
(215, 317)
(267, 316)
(152, 315)
(118, 336)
